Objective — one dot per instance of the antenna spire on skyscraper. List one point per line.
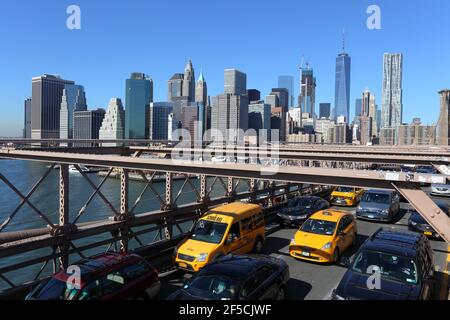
(343, 40)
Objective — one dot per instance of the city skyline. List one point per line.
(365, 46)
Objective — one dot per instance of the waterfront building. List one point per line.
(73, 99)
(47, 92)
(113, 125)
(86, 125)
(139, 95)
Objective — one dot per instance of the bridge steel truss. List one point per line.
(60, 236)
(263, 184)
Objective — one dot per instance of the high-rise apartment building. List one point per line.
(287, 82)
(139, 95)
(47, 92)
(27, 119)
(113, 125)
(73, 99)
(392, 97)
(443, 130)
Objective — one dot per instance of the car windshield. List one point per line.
(209, 231)
(375, 197)
(319, 227)
(213, 287)
(301, 202)
(345, 189)
(388, 266)
(54, 289)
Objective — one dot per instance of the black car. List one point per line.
(418, 224)
(390, 265)
(247, 277)
(299, 209)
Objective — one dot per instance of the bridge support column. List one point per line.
(169, 206)
(64, 223)
(230, 189)
(252, 189)
(203, 189)
(124, 209)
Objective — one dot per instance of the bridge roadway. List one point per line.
(311, 281)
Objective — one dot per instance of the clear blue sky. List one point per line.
(260, 37)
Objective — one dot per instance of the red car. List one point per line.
(110, 276)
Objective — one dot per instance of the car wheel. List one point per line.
(281, 295)
(336, 256)
(258, 246)
(142, 296)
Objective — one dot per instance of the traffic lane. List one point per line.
(310, 281)
(313, 281)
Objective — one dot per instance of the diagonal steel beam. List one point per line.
(97, 189)
(39, 213)
(147, 186)
(426, 207)
(28, 196)
(105, 200)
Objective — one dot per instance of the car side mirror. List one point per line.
(346, 262)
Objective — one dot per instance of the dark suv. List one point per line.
(390, 265)
(110, 276)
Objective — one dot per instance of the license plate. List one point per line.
(371, 216)
(428, 233)
(182, 265)
(306, 254)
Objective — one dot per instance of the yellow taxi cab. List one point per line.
(233, 228)
(324, 236)
(346, 196)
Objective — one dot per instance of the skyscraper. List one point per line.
(189, 82)
(87, 124)
(27, 119)
(201, 90)
(287, 82)
(325, 110)
(272, 100)
(73, 99)
(229, 111)
(253, 95)
(113, 125)
(47, 91)
(259, 114)
(235, 82)
(283, 97)
(392, 104)
(175, 86)
(358, 107)
(342, 89)
(307, 98)
(443, 130)
(369, 109)
(158, 120)
(139, 95)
